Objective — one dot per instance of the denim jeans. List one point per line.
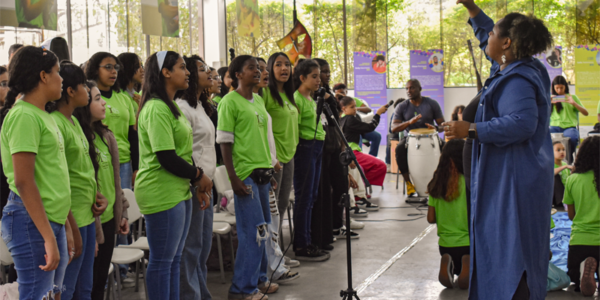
(307, 172)
(26, 246)
(167, 231)
(79, 276)
(195, 253)
(276, 263)
(252, 215)
(573, 136)
(375, 138)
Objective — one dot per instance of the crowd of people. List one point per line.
(74, 137)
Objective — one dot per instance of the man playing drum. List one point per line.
(419, 112)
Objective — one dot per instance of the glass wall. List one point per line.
(398, 26)
(108, 25)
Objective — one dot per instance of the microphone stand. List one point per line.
(346, 157)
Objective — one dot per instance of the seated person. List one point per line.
(448, 208)
(561, 171)
(353, 127)
(419, 112)
(582, 196)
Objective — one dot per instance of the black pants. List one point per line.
(467, 155)
(522, 292)
(102, 261)
(401, 156)
(577, 254)
(456, 253)
(559, 191)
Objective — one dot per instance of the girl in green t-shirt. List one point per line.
(34, 222)
(565, 110)
(166, 171)
(224, 85)
(582, 196)
(561, 171)
(448, 209)
(104, 150)
(131, 77)
(86, 202)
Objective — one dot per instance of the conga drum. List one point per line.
(423, 146)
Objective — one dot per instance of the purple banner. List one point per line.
(370, 83)
(428, 68)
(552, 59)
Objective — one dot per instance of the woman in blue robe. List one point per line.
(512, 167)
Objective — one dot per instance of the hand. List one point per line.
(570, 100)
(100, 206)
(239, 188)
(273, 183)
(352, 165)
(415, 119)
(203, 198)
(382, 110)
(78, 242)
(52, 255)
(70, 243)
(124, 227)
(137, 98)
(97, 248)
(430, 126)
(569, 167)
(351, 182)
(466, 3)
(456, 129)
(133, 176)
(277, 167)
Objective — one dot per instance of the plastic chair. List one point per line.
(111, 283)
(222, 228)
(222, 184)
(5, 258)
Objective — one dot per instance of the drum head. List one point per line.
(420, 131)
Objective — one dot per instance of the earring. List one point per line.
(503, 58)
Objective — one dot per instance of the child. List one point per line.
(448, 208)
(582, 196)
(561, 172)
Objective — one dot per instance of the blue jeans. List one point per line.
(573, 136)
(375, 138)
(195, 253)
(252, 215)
(307, 172)
(79, 276)
(167, 231)
(26, 246)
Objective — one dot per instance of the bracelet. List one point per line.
(199, 175)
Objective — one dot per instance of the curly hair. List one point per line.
(588, 158)
(444, 184)
(529, 35)
(191, 94)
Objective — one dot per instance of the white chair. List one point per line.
(140, 242)
(222, 228)
(5, 258)
(222, 184)
(111, 283)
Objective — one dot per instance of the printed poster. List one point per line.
(370, 83)
(552, 59)
(38, 14)
(428, 68)
(167, 11)
(587, 76)
(247, 18)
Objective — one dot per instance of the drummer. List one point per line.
(419, 112)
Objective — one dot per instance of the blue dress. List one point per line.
(512, 178)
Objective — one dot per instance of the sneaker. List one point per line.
(255, 296)
(463, 278)
(327, 247)
(358, 212)
(288, 276)
(366, 204)
(341, 233)
(587, 270)
(446, 271)
(311, 253)
(411, 191)
(356, 224)
(334, 239)
(268, 287)
(292, 263)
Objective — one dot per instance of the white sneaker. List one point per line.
(292, 263)
(356, 225)
(358, 212)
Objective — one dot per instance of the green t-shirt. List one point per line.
(354, 146)
(564, 173)
(27, 128)
(157, 189)
(285, 125)
(308, 118)
(567, 117)
(47, 19)
(81, 170)
(359, 102)
(217, 99)
(581, 192)
(106, 177)
(452, 218)
(248, 123)
(598, 109)
(120, 114)
(135, 105)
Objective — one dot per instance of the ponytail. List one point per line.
(9, 101)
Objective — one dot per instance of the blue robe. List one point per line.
(512, 178)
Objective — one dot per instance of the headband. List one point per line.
(160, 57)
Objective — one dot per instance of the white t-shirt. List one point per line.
(203, 130)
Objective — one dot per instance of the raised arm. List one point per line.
(481, 23)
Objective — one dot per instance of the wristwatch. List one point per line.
(473, 131)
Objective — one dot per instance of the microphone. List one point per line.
(320, 94)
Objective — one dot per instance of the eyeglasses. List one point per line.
(4, 84)
(215, 77)
(110, 67)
